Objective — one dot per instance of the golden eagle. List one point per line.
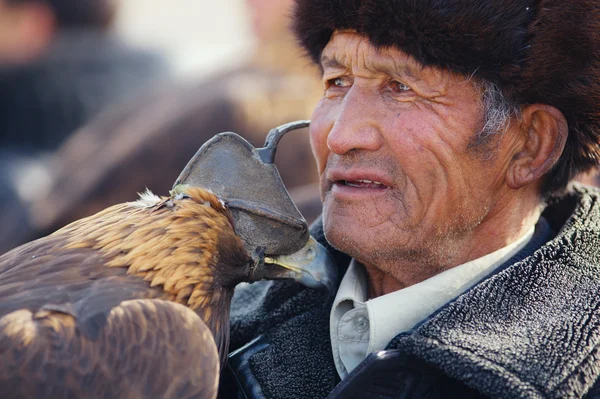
(134, 301)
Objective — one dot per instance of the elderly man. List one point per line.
(445, 139)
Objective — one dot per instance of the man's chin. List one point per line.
(350, 233)
(343, 234)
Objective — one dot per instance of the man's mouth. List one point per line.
(355, 183)
(362, 183)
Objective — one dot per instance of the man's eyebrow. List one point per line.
(328, 62)
(331, 62)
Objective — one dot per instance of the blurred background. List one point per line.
(197, 37)
(102, 99)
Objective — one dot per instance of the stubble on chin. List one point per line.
(402, 255)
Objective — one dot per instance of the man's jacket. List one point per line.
(531, 330)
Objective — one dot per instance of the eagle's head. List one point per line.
(312, 265)
(265, 218)
(186, 245)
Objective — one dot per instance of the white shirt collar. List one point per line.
(360, 326)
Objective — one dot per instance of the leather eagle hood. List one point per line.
(535, 51)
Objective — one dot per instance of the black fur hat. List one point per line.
(536, 51)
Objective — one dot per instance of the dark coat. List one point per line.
(531, 330)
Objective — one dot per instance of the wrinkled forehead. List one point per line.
(350, 51)
(348, 48)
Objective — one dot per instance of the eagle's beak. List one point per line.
(312, 266)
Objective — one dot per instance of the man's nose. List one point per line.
(355, 126)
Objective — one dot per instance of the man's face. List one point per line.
(399, 181)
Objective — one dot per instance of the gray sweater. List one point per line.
(531, 330)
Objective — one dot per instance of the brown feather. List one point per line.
(72, 292)
(45, 356)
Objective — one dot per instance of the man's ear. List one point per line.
(544, 132)
(27, 30)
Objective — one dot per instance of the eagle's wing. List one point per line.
(148, 348)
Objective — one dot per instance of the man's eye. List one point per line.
(339, 82)
(399, 87)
